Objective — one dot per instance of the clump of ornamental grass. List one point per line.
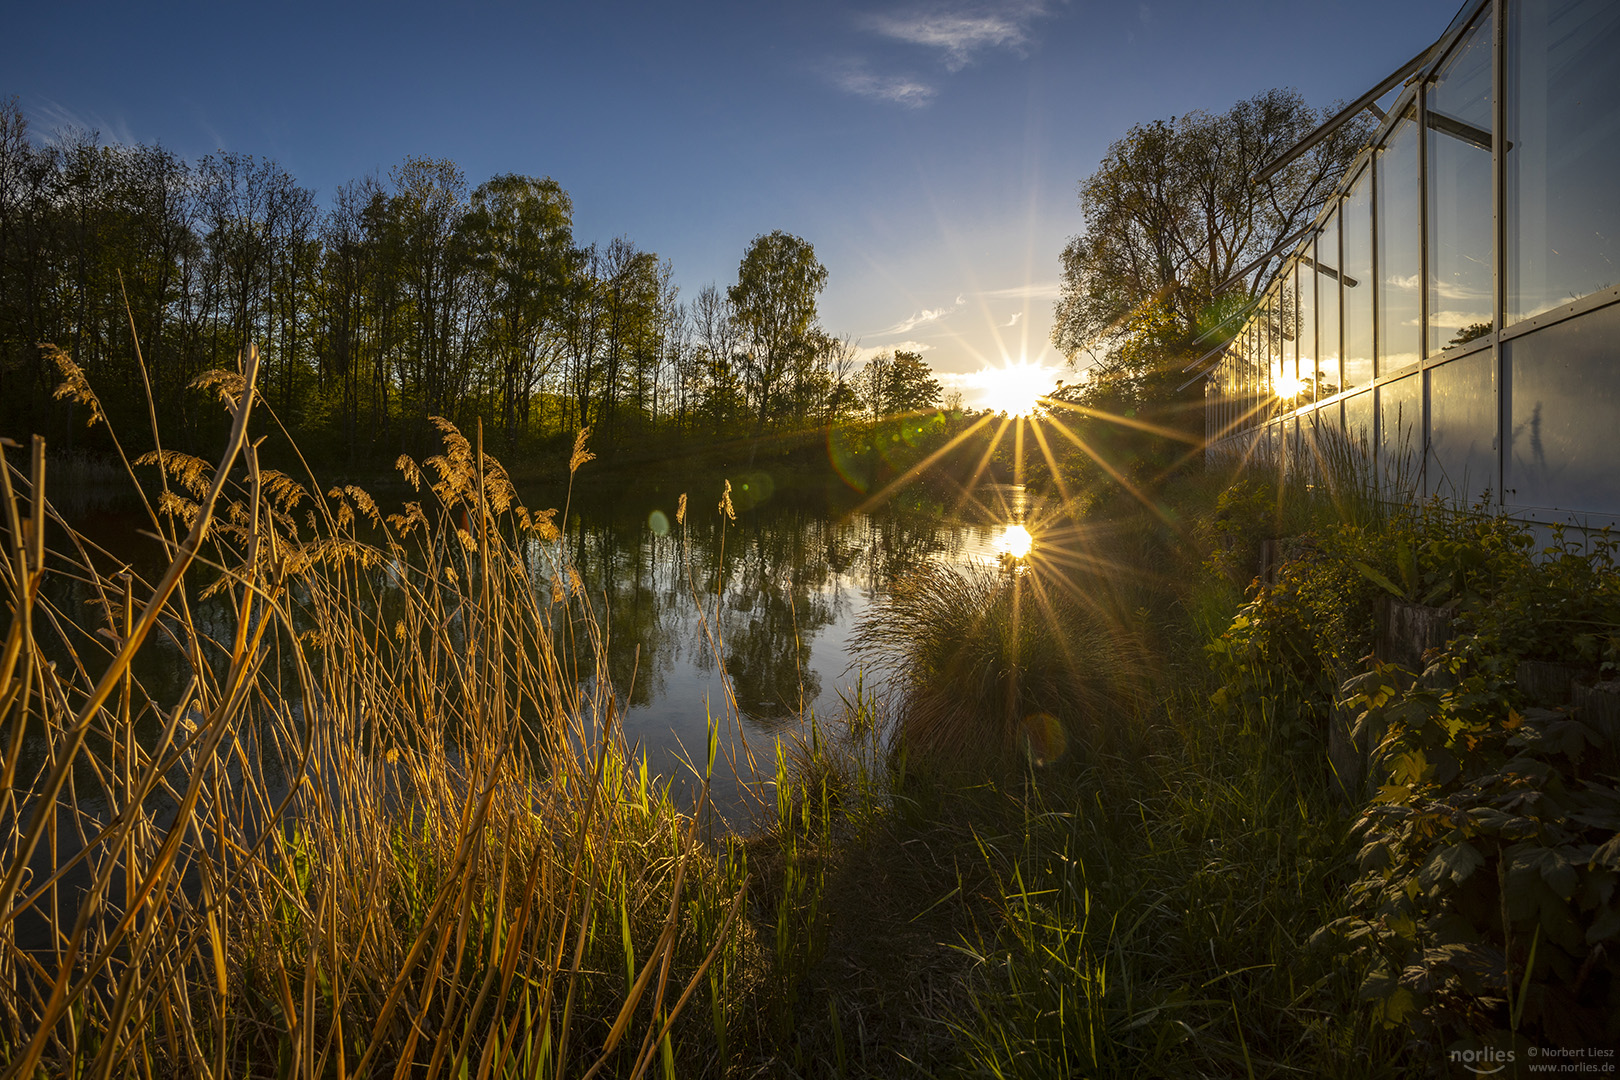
(991, 665)
(323, 790)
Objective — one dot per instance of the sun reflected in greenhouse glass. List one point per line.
(1287, 386)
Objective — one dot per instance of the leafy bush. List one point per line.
(1489, 865)
(1486, 899)
(1281, 660)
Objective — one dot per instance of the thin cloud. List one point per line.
(959, 30)
(864, 353)
(1035, 290)
(59, 122)
(1014, 320)
(921, 318)
(903, 90)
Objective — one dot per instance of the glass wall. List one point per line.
(1400, 435)
(1563, 152)
(1400, 250)
(1456, 304)
(1459, 123)
(1305, 331)
(1290, 387)
(1462, 429)
(1356, 280)
(1358, 422)
(1327, 304)
(1271, 364)
(1455, 310)
(1565, 393)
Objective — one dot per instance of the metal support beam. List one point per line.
(1346, 114)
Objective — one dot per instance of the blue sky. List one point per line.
(930, 150)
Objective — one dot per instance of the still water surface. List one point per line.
(782, 589)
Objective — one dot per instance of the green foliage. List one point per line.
(1485, 906)
(1281, 660)
(1489, 865)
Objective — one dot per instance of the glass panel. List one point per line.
(1234, 388)
(1462, 426)
(1244, 378)
(1460, 306)
(1240, 399)
(1273, 358)
(1327, 303)
(1357, 282)
(1358, 422)
(1563, 132)
(1399, 250)
(1308, 375)
(1565, 381)
(1307, 443)
(1290, 388)
(1400, 435)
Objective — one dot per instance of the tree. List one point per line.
(720, 391)
(519, 235)
(774, 308)
(898, 382)
(1171, 215)
(428, 253)
(911, 385)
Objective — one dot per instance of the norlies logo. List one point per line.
(1483, 1062)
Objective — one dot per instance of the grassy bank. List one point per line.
(335, 792)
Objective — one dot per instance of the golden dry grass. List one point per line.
(333, 792)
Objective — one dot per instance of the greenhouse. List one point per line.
(1453, 313)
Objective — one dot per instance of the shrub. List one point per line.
(988, 665)
(1488, 866)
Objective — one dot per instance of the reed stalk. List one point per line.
(317, 790)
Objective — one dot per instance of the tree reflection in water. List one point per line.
(782, 588)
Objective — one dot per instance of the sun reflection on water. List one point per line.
(1015, 541)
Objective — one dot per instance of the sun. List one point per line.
(1014, 388)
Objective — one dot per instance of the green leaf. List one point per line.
(1398, 1007)
(1557, 872)
(1608, 855)
(1457, 862)
(1604, 927)
(1380, 580)
(1529, 864)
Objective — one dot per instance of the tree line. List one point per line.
(408, 296)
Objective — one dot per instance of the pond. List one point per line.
(782, 590)
(779, 590)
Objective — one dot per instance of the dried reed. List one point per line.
(373, 815)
